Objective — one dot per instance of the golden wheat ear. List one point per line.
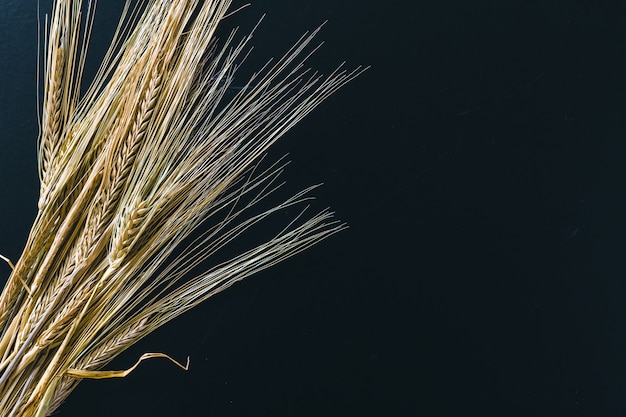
(145, 178)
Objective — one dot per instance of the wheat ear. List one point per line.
(146, 178)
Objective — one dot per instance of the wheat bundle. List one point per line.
(144, 176)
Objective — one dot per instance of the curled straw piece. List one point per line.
(80, 373)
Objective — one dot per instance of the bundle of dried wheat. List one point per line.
(153, 150)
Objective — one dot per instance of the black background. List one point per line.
(465, 161)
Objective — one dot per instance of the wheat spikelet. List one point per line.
(52, 117)
(99, 357)
(126, 231)
(145, 178)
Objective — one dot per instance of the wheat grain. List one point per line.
(51, 129)
(126, 231)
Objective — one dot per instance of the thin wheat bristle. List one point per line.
(145, 179)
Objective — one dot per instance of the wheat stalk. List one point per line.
(145, 178)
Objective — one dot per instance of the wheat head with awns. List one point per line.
(145, 175)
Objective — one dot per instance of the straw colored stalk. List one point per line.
(144, 178)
